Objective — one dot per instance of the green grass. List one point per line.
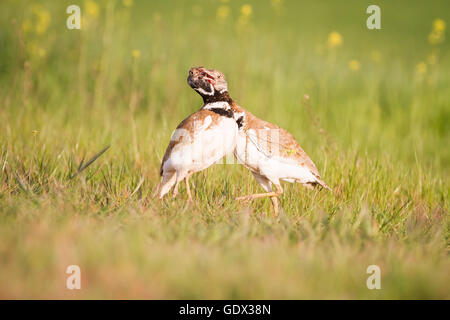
(379, 136)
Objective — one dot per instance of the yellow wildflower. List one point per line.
(246, 10)
(437, 34)
(354, 65)
(92, 8)
(439, 25)
(421, 68)
(223, 12)
(43, 19)
(136, 54)
(127, 3)
(334, 39)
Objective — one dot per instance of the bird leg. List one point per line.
(175, 190)
(275, 204)
(257, 195)
(262, 195)
(188, 189)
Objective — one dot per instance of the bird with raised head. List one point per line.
(271, 153)
(204, 137)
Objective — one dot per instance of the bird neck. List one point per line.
(217, 97)
(220, 107)
(219, 103)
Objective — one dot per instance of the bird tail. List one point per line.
(168, 180)
(322, 183)
(317, 182)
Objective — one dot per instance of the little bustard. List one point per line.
(271, 153)
(204, 137)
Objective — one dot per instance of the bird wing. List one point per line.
(271, 140)
(193, 124)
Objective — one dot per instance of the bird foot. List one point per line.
(244, 198)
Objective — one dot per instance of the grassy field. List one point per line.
(377, 125)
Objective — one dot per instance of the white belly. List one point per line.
(208, 145)
(255, 156)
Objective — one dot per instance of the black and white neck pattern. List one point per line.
(220, 107)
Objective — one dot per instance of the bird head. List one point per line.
(207, 82)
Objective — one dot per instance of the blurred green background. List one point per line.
(377, 125)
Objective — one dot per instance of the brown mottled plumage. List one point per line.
(272, 154)
(202, 138)
(286, 145)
